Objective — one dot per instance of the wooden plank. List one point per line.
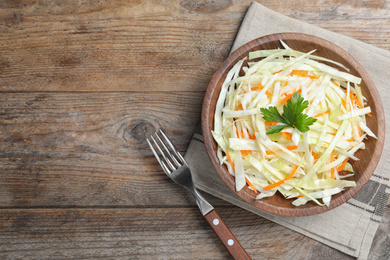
(146, 233)
(90, 148)
(126, 45)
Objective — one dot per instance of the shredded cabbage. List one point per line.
(310, 166)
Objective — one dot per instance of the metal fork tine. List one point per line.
(162, 153)
(162, 164)
(168, 151)
(172, 147)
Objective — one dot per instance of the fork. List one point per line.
(177, 169)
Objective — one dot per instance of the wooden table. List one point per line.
(84, 82)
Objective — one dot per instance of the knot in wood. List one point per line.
(138, 130)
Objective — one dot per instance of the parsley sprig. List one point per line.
(292, 115)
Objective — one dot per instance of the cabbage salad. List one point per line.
(291, 124)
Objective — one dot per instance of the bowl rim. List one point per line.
(230, 182)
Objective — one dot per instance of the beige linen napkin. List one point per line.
(350, 227)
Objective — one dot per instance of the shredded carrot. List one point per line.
(292, 147)
(350, 140)
(253, 137)
(239, 106)
(315, 155)
(343, 103)
(272, 123)
(229, 159)
(239, 134)
(301, 73)
(269, 94)
(352, 96)
(251, 185)
(245, 152)
(314, 77)
(287, 135)
(273, 185)
(269, 152)
(288, 97)
(322, 113)
(360, 105)
(277, 72)
(332, 171)
(260, 86)
(337, 84)
(342, 166)
(299, 196)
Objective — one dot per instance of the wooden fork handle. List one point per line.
(226, 236)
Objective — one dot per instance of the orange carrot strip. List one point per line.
(238, 133)
(239, 106)
(292, 147)
(273, 185)
(260, 86)
(288, 97)
(322, 113)
(315, 155)
(353, 97)
(350, 140)
(272, 123)
(269, 152)
(332, 171)
(251, 185)
(301, 73)
(299, 196)
(284, 134)
(337, 84)
(245, 152)
(287, 136)
(342, 166)
(313, 77)
(343, 103)
(229, 159)
(269, 94)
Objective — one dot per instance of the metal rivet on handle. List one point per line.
(230, 242)
(215, 221)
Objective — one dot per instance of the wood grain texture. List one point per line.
(92, 144)
(145, 233)
(122, 45)
(83, 82)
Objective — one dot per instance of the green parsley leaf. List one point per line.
(303, 122)
(292, 115)
(275, 129)
(272, 115)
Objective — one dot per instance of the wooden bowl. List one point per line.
(369, 157)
